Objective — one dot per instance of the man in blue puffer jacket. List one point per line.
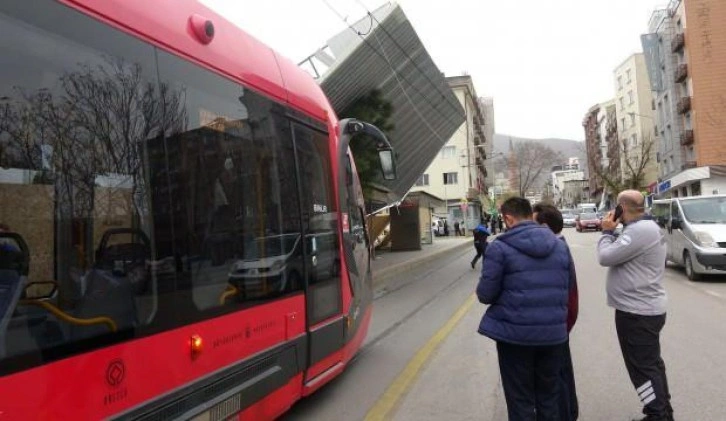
(526, 281)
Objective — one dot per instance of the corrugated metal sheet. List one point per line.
(425, 111)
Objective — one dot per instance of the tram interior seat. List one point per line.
(10, 290)
(106, 295)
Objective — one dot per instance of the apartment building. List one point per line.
(612, 139)
(574, 192)
(635, 120)
(685, 52)
(458, 173)
(592, 145)
(559, 181)
(602, 144)
(487, 106)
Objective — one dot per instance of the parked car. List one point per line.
(695, 232)
(569, 219)
(588, 221)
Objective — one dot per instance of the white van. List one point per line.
(695, 229)
(586, 208)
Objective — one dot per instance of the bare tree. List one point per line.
(634, 163)
(529, 163)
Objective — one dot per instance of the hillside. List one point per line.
(568, 148)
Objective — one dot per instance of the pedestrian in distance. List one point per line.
(493, 223)
(525, 282)
(446, 228)
(500, 222)
(636, 266)
(551, 217)
(480, 241)
(456, 228)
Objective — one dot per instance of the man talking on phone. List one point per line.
(636, 266)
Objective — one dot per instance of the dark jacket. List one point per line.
(480, 234)
(526, 281)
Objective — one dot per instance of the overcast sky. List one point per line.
(545, 62)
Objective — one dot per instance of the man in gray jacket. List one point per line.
(636, 262)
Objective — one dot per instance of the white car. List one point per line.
(274, 264)
(568, 220)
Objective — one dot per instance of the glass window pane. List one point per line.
(232, 206)
(320, 222)
(78, 103)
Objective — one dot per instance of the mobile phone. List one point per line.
(618, 213)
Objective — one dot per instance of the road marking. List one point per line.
(400, 386)
(712, 293)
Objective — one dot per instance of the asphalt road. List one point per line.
(446, 371)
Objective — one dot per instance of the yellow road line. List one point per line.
(400, 386)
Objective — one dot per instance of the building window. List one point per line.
(423, 180)
(620, 82)
(448, 151)
(622, 124)
(630, 97)
(451, 178)
(627, 74)
(696, 189)
(632, 119)
(622, 103)
(634, 141)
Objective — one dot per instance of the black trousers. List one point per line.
(480, 249)
(531, 380)
(569, 408)
(639, 338)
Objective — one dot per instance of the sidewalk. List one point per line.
(391, 263)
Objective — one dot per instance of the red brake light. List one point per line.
(196, 345)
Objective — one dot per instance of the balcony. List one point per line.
(681, 73)
(688, 165)
(687, 137)
(679, 41)
(684, 105)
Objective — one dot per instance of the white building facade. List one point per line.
(635, 116)
(458, 174)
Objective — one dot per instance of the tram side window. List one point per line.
(78, 103)
(233, 199)
(320, 219)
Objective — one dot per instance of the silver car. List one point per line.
(568, 219)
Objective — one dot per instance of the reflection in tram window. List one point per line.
(232, 194)
(140, 191)
(74, 122)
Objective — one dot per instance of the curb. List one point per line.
(384, 275)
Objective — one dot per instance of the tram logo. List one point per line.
(115, 372)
